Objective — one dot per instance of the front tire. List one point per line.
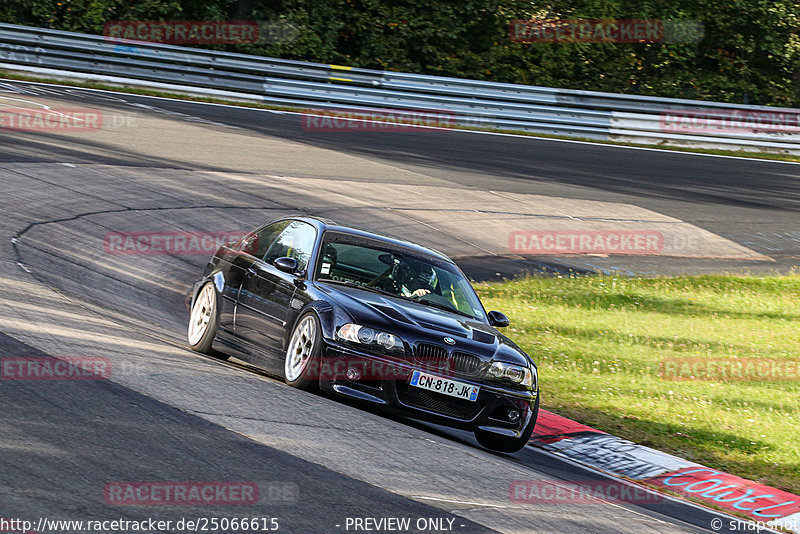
(203, 320)
(303, 353)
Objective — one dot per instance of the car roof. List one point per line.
(326, 224)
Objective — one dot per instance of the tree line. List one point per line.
(742, 51)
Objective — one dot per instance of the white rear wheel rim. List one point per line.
(301, 348)
(204, 306)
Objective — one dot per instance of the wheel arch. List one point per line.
(327, 314)
(219, 284)
(218, 279)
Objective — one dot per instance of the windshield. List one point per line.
(398, 272)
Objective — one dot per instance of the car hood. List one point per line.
(418, 322)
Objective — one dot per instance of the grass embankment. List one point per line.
(609, 351)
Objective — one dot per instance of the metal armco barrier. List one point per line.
(470, 103)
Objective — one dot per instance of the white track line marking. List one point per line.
(458, 502)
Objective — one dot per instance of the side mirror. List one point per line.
(286, 264)
(497, 319)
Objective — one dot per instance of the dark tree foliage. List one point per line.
(749, 52)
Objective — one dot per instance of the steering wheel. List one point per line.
(389, 260)
(380, 277)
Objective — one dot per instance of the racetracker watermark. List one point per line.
(605, 31)
(194, 32)
(358, 369)
(168, 243)
(50, 119)
(729, 369)
(579, 492)
(180, 493)
(586, 242)
(730, 121)
(50, 368)
(374, 120)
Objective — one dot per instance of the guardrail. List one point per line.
(470, 103)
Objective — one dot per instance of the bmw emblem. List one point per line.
(450, 341)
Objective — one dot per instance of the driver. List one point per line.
(415, 282)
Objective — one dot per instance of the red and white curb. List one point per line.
(610, 454)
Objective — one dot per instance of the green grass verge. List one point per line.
(137, 90)
(603, 344)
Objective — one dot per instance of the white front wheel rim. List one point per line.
(204, 306)
(301, 348)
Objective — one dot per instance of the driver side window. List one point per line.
(296, 241)
(257, 244)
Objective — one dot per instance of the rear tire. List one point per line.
(203, 320)
(303, 353)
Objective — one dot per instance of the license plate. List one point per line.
(445, 386)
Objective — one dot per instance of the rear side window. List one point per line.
(257, 244)
(296, 241)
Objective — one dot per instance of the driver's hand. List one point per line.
(420, 292)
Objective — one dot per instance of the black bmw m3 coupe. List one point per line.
(369, 317)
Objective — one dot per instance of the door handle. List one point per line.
(250, 272)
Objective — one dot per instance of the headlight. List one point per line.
(518, 374)
(355, 333)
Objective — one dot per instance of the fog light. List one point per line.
(352, 374)
(514, 415)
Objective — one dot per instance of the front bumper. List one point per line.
(384, 382)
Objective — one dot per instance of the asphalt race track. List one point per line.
(168, 414)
